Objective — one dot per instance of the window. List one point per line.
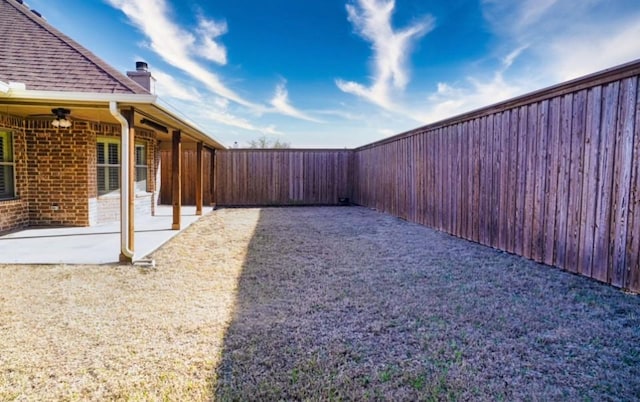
(108, 166)
(141, 167)
(7, 166)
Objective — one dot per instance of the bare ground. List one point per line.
(316, 303)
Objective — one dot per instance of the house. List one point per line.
(79, 141)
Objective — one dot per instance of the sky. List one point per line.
(344, 73)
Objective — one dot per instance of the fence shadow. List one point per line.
(347, 303)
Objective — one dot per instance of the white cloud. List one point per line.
(517, 16)
(229, 119)
(557, 39)
(564, 38)
(280, 102)
(508, 60)
(372, 21)
(175, 45)
(209, 30)
(574, 56)
(450, 100)
(344, 114)
(169, 87)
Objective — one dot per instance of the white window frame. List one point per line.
(7, 137)
(140, 184)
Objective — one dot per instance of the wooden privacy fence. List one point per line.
(189, 169)
(282, 177)
(553, 176)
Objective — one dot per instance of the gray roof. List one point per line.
(36, 54)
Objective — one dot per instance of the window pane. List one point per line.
(113, 154)
(101, 176)
(114, 179)
(6, 181)
(141, 155)
(100, 153)
(6, 148)
(141, 178)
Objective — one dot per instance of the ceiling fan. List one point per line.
(62, 117)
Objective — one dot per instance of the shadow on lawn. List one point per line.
(347, 303)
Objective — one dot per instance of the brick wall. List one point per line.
(58, 173)
(14, 214)
(62, 167)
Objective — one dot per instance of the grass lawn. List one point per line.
(316, 303)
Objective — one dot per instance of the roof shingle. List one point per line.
(36, 54)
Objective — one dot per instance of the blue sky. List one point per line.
(343, 73)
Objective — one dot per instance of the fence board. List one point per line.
(504, 181)
(553, 155)
(495, 180)
(513, 181)
(576, 171)
(529, 189)
(476, 174)
(563, 181)
(522, 180)
(467, 178)
(633, 233)
(622, 180)
(590, 180)
(537, 246)
(605, 173)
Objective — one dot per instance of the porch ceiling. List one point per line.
(99, 112)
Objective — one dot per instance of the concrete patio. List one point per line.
(91, 245)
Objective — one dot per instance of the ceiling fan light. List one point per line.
(55, 123)
(64, 123)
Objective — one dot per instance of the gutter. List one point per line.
(124, 181)
(20, 93)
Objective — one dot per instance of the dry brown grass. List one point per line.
(123, 333)
(346, 303)
(317, 303)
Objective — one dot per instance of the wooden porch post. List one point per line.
(176, 174)
(213, 177)
(199, 181)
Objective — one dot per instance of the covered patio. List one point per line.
(94, 244)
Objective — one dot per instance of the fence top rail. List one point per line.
(588, 81)
(336, 150)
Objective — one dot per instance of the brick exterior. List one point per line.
(14, 214)
(58, 173)
(56, 180)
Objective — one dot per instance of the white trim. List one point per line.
(15, 93)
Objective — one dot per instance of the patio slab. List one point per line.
(98, 244)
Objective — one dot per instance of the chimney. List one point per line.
(143, 77)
